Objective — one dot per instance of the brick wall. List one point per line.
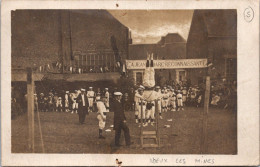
(36, 34)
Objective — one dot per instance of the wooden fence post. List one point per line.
(30, 107)
(204, 137)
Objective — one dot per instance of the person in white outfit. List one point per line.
(107, 99)
(159, 95)
(141, 105)
(172, 101)
(66, 101)
(184, 95)
(90, 96)
(179, 101)
(150, 95)
(136, 105)
(101, 116)
(59, 104)
(165, 99)
(73, 97)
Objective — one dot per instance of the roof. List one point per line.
(139, 51)
(171, 38)
(220, 23)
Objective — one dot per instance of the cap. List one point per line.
(98, 98)
(90, 87)
(67, 91)
(141, 86)
(118, 94)
(59, 97)
(106, 88)
(41, 94)
(83, 90)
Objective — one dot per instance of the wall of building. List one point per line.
(39, 36)
(93, 29)
(172, 46)
(36, 37)
(212, 36)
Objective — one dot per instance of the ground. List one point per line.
(63, 134)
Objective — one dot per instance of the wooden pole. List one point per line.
(157, 123)
(40, 128)
(142, 139)
(204, 137)
(30, 108)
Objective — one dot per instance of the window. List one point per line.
(139, 78)
(99, 62)
(231, 67)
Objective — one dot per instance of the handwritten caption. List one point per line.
(183, 161)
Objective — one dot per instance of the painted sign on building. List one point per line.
(168, 64)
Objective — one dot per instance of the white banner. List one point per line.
(168, 64)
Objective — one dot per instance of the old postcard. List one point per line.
(130, 83)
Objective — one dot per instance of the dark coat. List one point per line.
(119, 115)
(80, 102)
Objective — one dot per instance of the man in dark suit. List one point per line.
(82, 106)
(120, 120)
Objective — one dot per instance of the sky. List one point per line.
(147, 26)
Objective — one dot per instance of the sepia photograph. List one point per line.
(130, 83)
(101, 81)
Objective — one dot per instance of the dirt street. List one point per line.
(63, 134)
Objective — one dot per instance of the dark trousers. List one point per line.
(122, 126)
(82, 114)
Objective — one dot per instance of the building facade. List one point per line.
(92, 40)
(170, 47)
(213, 35)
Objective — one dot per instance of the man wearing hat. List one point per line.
(36, 102)
(164, 100)
(59, 104)
(83, 106)
(41, 102)
(172, 101)
(74, 102)
(184, 95)
(50, 102)
(66, 101)
(101, 111)
(90, 95)
(141, 105)
(120, 120)
(179, 101)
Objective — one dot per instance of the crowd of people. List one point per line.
(223, 97)
(67, 102)
(173, 98)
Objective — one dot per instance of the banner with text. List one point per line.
(168, 64)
